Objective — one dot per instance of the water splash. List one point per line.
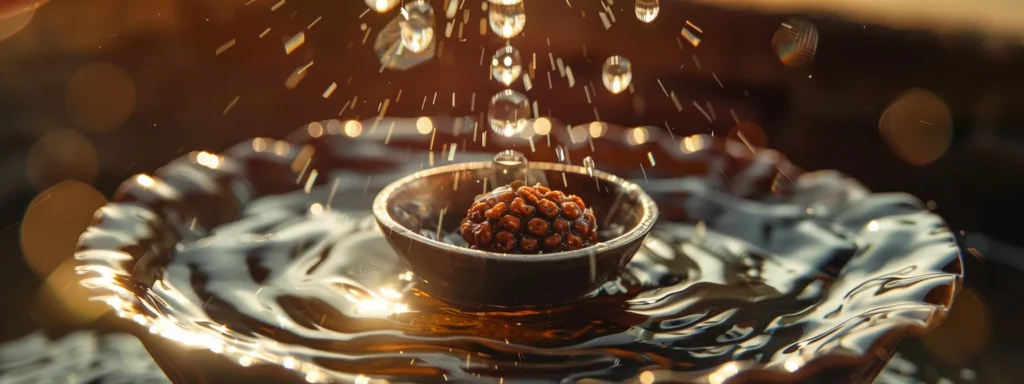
(507, 18)
(741, 275)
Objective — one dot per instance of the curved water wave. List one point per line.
(268, 254)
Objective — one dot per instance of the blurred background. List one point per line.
(920, 96)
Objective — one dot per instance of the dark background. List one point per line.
(98, 90)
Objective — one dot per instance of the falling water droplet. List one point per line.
(647, 10)
(507, 112)
(381, 6)
(796, 42)
(588, 162)
(617, 73)
(506, 66)
(417, 25)
(506, 17)
(560, 153)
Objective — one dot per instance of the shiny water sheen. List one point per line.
(755, 271)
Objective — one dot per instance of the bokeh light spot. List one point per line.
(100, 97)
(13, 20)
(61, 155)
(424, 125)
(353, 128)
(917, 126)
(542, 126)
(966, 332)
(62, 298)
(54, 221)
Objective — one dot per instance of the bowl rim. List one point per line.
(643, 227)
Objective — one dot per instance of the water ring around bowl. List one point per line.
(267, 254)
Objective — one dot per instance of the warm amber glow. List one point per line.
(353, 128)
(208, 160)
(424, 125)
(100, 97)
(598, 129)
(542, 126)
(691, 144)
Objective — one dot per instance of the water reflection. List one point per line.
(739, 271)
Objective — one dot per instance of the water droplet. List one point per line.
(381, 6)
(588, 162)
(506, 66)
(506, 17)
(508, 112)
(417, 25)
(647, 10)
(796, 42)
(397, 42)
(617, 73)
(560, 153)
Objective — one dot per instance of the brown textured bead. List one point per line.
(510, 223)
(522, 219)
(581, 227)
(547, 208)
(553, 241)
(476, 214)
(520, 208)
(579, 202)
(506, 241)
(482, 233)
(554, 195)
(528, 245)
(495, 212)
(506, 197)
(529, 194)
(573, 241)
(537, 226)
(570, 210)
(467, 231)
(561, 225)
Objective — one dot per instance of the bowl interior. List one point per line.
(435, 204)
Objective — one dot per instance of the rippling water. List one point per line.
(269, 254)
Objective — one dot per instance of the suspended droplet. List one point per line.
(796, 42)
(506, 66)
(616, 74)
(398, 41)
(417, 25)
(647, 10)
(506, 17)
(507, 112)
(588, 162)
(381, 6)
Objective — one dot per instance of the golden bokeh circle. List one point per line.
(61, 155)
(100, 97)
(54, 221)
(917, 126)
